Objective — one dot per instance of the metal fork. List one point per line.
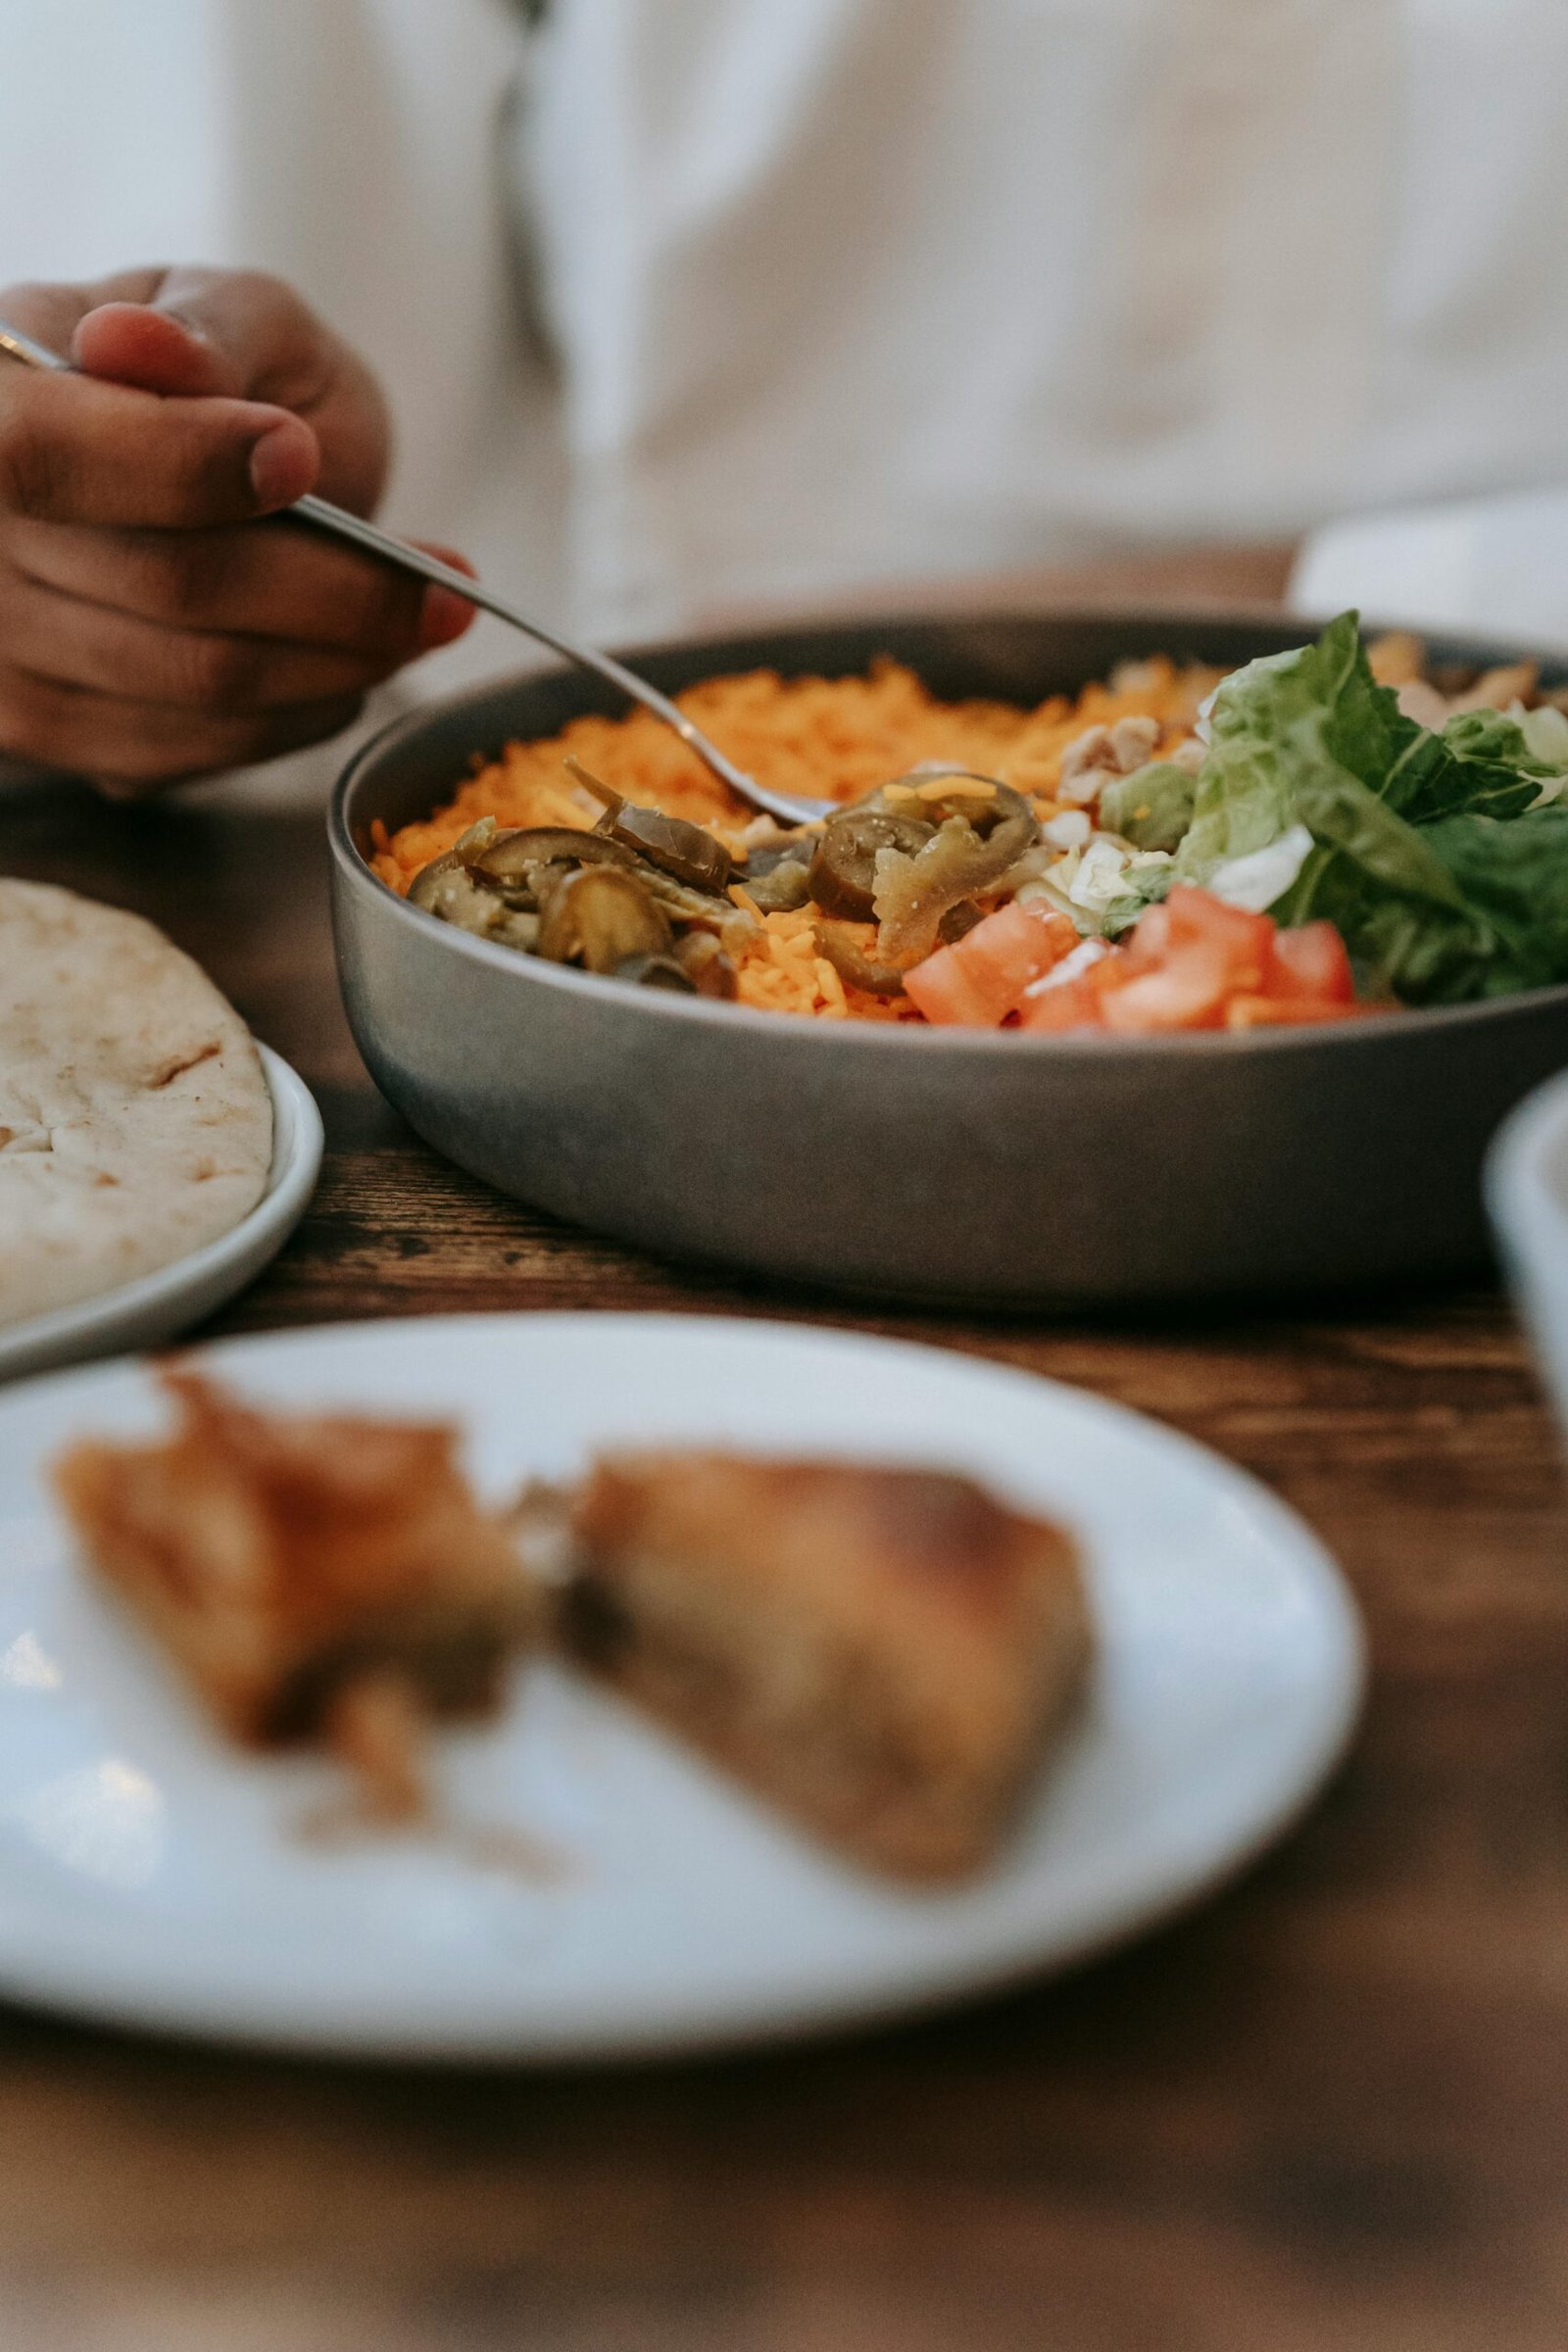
(322, 515)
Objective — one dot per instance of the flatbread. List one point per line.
(135, 1122)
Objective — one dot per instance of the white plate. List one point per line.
(144, 1312)
(149, 1875)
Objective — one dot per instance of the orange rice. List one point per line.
(818, 738)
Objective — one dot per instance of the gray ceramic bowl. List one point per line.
(919, 1164)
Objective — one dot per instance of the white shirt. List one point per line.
(834, 292)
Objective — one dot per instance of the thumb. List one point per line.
(155, 349)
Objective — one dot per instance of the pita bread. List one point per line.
(135, 1122)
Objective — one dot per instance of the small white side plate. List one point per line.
(151, 1310)
(1491, 565)
(150, 1875)
(1527, 1195)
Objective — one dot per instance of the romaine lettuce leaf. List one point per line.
(1409, 943)
(1438, 858)
(1363, 727)
(1508, 930)
(1284, 722)
(1310, 724)
(1310, 738)
(1481, 764)
(1433, 854)
(1513, 874)
(1265, 721)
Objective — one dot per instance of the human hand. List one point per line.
(149, 630)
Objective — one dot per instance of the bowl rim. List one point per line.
(1365, 1029)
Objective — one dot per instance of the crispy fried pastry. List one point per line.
(295, 1566)
(882, 1652)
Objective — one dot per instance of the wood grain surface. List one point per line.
(1328, 2113)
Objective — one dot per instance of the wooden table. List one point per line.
(1328, 2113)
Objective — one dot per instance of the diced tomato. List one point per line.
(1195, 962)
(1310, 964)
(1274, 1012)
(1246, 941)
(1075, 1005)
(1187, 990)
(982, 976)
(1149, 938)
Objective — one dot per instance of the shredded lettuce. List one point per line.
(1307, 737)
(1147, 881)
(1264, 875)
(1152, 808)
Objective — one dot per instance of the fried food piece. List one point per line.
(881, 1652)
(303, 1570)
(1397, 658)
